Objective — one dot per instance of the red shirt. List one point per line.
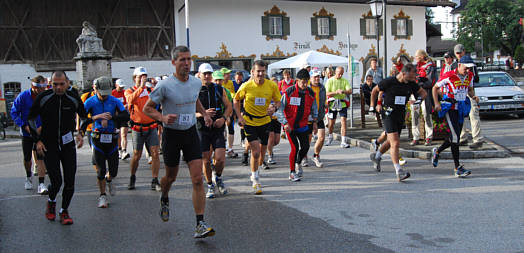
(282, 85)
(119, 95)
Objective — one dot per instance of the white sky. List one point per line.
(442, 14)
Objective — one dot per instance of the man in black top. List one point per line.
(57, 109)
(392, 106)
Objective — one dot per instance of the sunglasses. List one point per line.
(58, 84)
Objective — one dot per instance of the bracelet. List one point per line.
(379, 102)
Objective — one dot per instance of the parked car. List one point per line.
(499, 94)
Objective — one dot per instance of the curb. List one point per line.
(500, 152)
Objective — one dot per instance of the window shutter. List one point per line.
(394, 27)
(265, 25)
(314, 26)
(363, 27)
(410, 27)
(333, 26)
(380, 27)
(285, 26)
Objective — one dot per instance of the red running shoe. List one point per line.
(50, 212)
(65, 219)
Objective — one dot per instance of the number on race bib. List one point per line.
(67, 138)
(106, 138)
(294, 101)
(260, 101)
(400, 100)
(461, 95)
(184, 119)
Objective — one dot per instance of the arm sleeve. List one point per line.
(157, 95)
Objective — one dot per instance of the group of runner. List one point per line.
(187, 114)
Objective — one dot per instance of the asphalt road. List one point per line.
(344, 207)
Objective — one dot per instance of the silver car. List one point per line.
(499, 94)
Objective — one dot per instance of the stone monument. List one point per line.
(92, 60)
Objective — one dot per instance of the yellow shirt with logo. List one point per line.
(230, 87)
(257, 99)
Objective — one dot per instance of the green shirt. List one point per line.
(334, 84)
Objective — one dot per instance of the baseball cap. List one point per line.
(314, 72)
(140, 71)
(104, 85)
(158, 79)
(448, 55)
(205, 67)
(466, 60)
(225, 70)
(303, 74)
(120, 83)
(218, 75)
(307, 65)
(459, 48)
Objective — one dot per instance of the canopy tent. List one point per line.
(313, 58)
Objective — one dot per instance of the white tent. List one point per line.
(313, 58)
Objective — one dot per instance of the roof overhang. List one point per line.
(425, 3)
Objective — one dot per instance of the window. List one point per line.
(371, 26)
(401, 27)
(368, 27)
(275, 24)
(323, 26)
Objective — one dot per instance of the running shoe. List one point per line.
(376, 162)
(257, 188)
(132, 180)
(42, 189)
(110, 188)
(150, 160)
(155, 185)
(318, 163)
(210, 194)
(476, 145)
(245, 160)
(231, 154)
(304, 162)
(344, 144)
(461, 172)
(264, 166)
(203, 230)
(28, 183)
(401, 161)
(402, 175)
(293, 177)
(102, 201)
(413, 143)
(221, 186)
(50, 211)
(329, 140)
(164, 210)
(125, 155)
(65, 219)
(300, 172)
(434, 157)
(270, 159)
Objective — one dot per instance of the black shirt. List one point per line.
(396, 94)
(366, 91)
(211, 97)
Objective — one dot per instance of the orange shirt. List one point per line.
(84, 97)
(119, 95)
(136, 99)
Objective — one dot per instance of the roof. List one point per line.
(427, 3)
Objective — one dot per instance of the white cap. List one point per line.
(158, 79)
(120, 83)
(139, 71)
(164, 77)
(315, 72)
(205, 67)
(307, 65)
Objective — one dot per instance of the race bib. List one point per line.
(67, 138)
(400, 100)
(461, 95)
(106, 138)
(260, 101)
(144, 94)
(294, 101)
(184, 119)
(121, 99)
(330, 115)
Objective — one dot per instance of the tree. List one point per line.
(519, 55)
(494, 22)
(429, 15)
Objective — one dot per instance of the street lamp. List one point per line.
(376, 10)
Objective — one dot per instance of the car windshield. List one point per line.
(494, 79)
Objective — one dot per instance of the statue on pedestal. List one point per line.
(88, 41)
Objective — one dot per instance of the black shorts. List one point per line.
(212, 138)
(174, 141)
(260, 133)
(275, 126)
(321, 125)
(231, 126)
(394, 122)
(28, 145)
(333, 114)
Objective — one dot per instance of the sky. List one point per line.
(442, 16)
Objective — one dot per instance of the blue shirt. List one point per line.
(94, 106)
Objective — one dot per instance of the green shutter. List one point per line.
(333, 26)
(362, 27)
(380, 27)
(285, 26)
(314, 26)
(393, 27)
(265, 25)
(410, 27)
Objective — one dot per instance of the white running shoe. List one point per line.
(210, 194)
(28, 184)
(42, 189)
(300, 171)
(270, 159)
(305, 163)
(293, 177)
(401, 161)
(344, 143)
(102, 201)
(125, 155)
(329, 140)
(318, 163)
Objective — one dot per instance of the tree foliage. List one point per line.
(495, 22)
(519, 55)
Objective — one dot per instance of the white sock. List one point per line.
(397, 167)
(254, 174)
(330, 136)
(54, 201)
(61, 210)
(378, 155)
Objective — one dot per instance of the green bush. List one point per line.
(519, 55)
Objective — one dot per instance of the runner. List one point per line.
(396, 91)
(144, 128)
(283, 84)
(298, 106)
(108, 113)
(320, 99)
(273, 140)
(214, 99)
(57, 109)
(337, 88)
(239, 81)
(178, 96)
(257, 94)
(455, 105)
(119, 93)
(89, 129)
(19, 113)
